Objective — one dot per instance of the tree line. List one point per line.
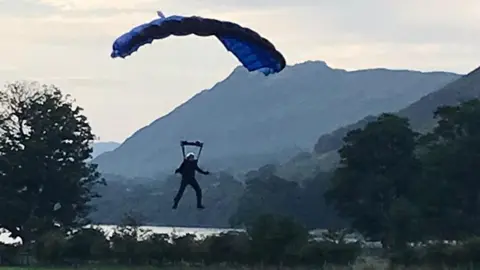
(410, 191)
(270, 240)
(403, 188)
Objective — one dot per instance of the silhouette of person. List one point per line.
(187, 169)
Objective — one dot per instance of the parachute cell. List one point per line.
(253, 51)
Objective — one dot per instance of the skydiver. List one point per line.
(187, 170)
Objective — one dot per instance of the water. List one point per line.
(179, 231)
(109, 229)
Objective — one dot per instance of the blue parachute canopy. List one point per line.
(253, 51)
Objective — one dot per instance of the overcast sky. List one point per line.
(68, 43)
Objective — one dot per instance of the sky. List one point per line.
(68, 43)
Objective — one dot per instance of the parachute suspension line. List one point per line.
(183, 149)
(199, 152)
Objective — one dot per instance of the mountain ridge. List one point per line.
(420, 112)
(103, 147)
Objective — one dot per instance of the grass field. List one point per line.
(362, 264)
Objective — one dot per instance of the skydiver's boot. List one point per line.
(199, 201)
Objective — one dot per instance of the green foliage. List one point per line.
(9, 253)
(406, 190)
(231, 247)
(50, 247)
(276, 238)
(439, 255)
(375, 183)
(45, 180)
(451, 180)
(129, 244)
(322, 252)
(87, 244)
(270, 240)
(267, 193)
(323, 215)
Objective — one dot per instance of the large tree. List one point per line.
(45, 143)
(451, 182)
(374, 184)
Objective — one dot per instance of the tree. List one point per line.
(314, 212)
(87, 244)
(45, 142)
(128, 242)
(374, 184)
(266, 193)
(276, 238)
(451, 186)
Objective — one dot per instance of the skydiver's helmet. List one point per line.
(190, 156)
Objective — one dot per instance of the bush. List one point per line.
(440, 254)
(50, 248)
(322, 252)
(8, 253)
(270, 240)
(87, 244)
(232, 247)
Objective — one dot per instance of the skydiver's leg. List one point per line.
(198, 192)
(179, 195)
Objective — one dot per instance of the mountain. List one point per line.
(420, 113)
(102, 147)
(248, 120)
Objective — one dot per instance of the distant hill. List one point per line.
(102, 147)
(249, 120)
(420, 112)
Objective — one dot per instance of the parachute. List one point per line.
(253, 51)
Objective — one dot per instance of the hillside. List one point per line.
(420, 112)
(102, 147)
(249, 120)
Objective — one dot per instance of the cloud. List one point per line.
(24, 8)
(93, 5)
(68, 42)
(126, 5)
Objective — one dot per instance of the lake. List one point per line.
(108, 229)
(199, 232)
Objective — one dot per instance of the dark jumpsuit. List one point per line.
(187, 170)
